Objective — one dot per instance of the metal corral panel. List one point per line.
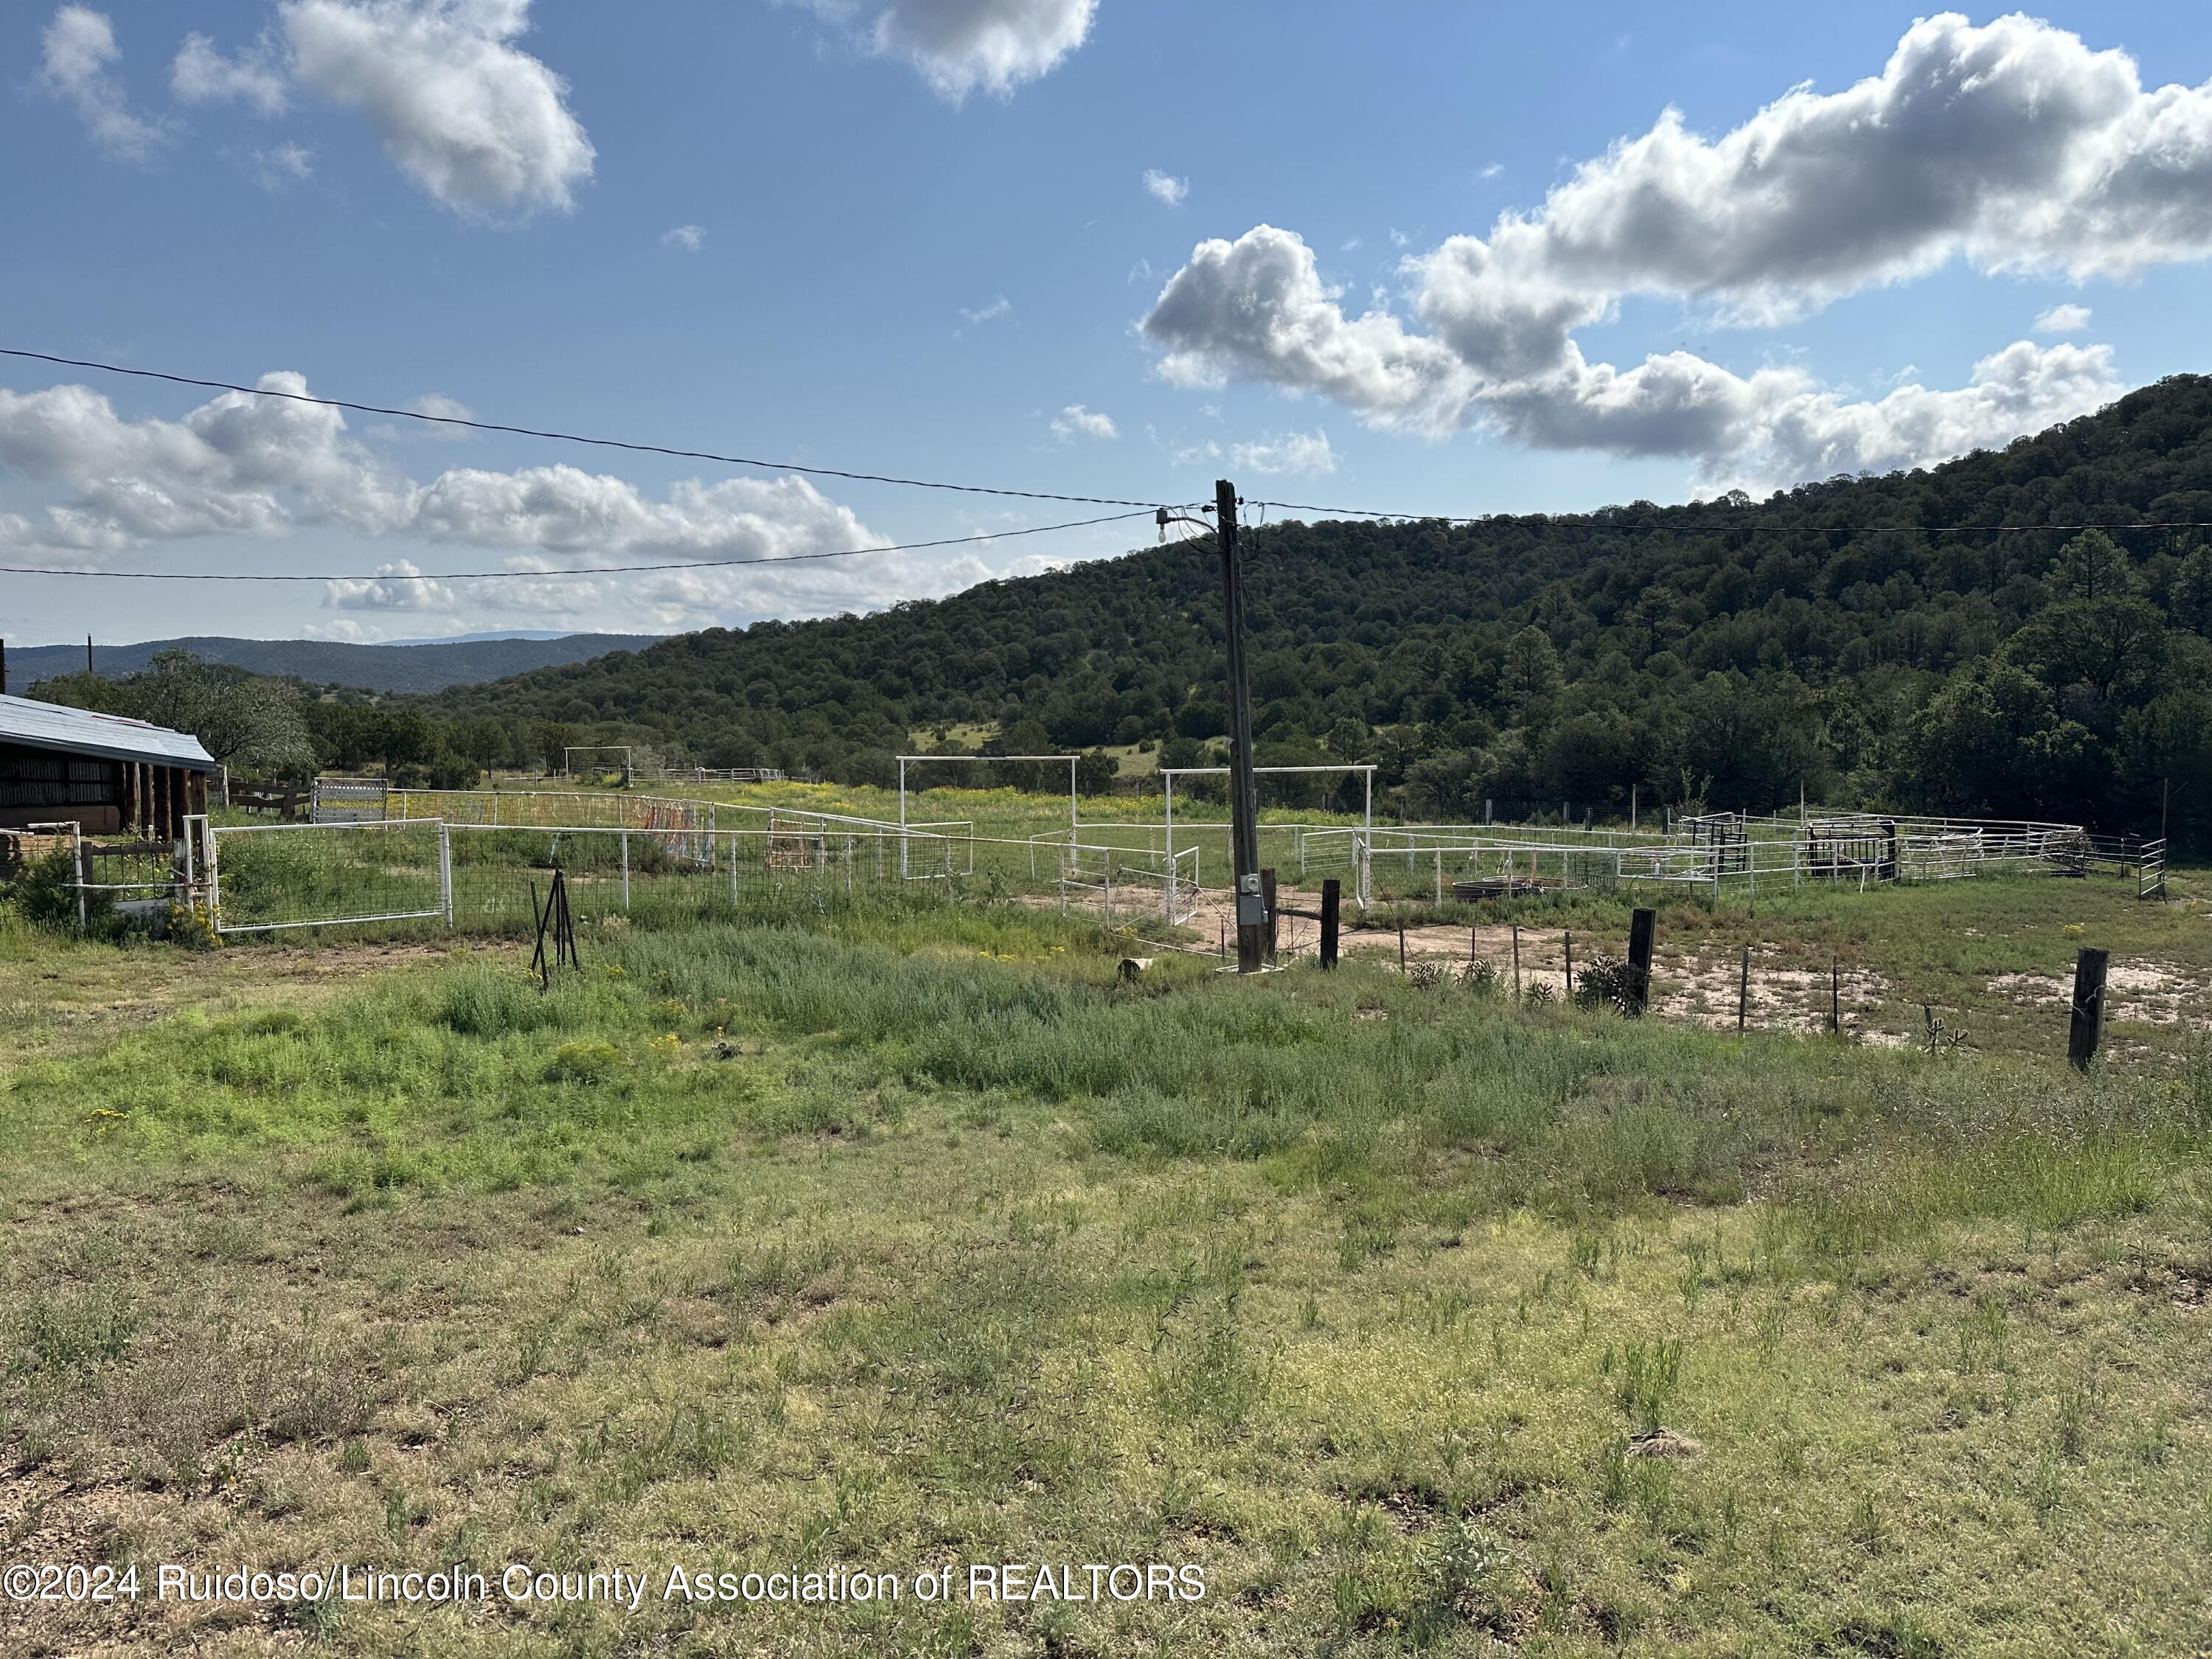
(80, 731)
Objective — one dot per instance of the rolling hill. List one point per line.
(419, 667)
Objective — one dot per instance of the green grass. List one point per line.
(891, 1236)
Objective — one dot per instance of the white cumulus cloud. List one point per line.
(79, 46)
(201, 74)
(2014, 146)
(282, 166)
(1288, 452)
(688, 238)
(246, 466)
(400, 586)
(1077, 421)
(481, 125)
(2063, 320)
(960, 46)
(1165, 187)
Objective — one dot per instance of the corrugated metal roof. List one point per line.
(80, 731)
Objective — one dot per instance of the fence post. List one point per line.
(1517, 961)
(1641, 926)
(1571, 964)
(625, 861)
(1332, 900)
(1274, 916)
(1743, 988)
(445, 871)
(2087, 1029)
(733, 868)
(84, 916)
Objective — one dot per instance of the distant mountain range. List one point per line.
(430, 666)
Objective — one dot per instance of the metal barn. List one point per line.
(102, 772)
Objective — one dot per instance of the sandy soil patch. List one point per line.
(2144, 993)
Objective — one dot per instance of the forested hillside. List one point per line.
(1735, 650)
(429, 666)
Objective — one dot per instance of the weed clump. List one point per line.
(583, 1062)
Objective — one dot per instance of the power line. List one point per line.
(544, 575)
(1586, 521)
(473, 425)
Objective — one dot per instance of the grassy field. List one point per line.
(888, 1236)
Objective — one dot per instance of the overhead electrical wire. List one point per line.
(1590, 521)
(474, 425)
(550, 575)
(1141, 508)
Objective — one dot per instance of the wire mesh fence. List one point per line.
(262, 878)
(485, 877)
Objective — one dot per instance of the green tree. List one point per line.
(1094, 772)
(2113, 642)
(1991, 743)
(1531, 676)
(2191, 602)
(96, 692)
(245, 721)
(2093, 566)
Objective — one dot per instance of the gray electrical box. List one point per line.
(1251, 910)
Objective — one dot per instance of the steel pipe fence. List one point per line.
(1392, 862)
(470, 863)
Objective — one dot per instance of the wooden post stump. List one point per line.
(1642, 925)
(2087, 1029)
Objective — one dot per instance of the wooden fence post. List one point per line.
(2086, 1029)
(1332, 903)
(1571, 964)
(1274, 917)
(1641, 924)
(1402, 947)
(1835, 997)
(1743, 988)
(1517, 961)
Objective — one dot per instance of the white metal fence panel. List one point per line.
(265, 877)
(348, 800)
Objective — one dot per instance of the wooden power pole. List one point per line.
(1244, 792)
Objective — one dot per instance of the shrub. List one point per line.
(583, 1062)
(1608, 981)
(46, 892)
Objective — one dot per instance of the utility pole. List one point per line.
(1244, 792)
(1252, 906)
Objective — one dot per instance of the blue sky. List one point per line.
(922, 242)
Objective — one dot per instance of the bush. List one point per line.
(1608, 981)
(582, 1062)
(46, 892)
